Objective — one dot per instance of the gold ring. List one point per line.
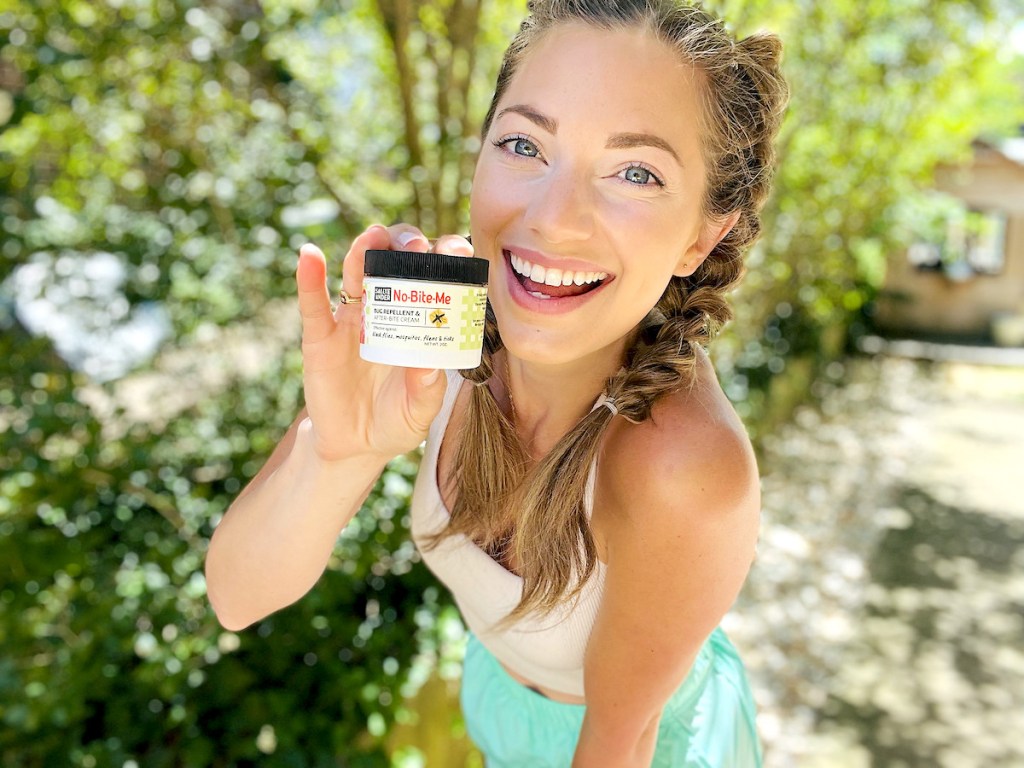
(346, 299)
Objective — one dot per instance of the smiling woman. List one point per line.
(587, 493)
(599, 174)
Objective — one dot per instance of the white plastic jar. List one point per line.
(423, 310)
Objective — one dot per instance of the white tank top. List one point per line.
(547, 650)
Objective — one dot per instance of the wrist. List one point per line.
(602, 746)
(329, 462)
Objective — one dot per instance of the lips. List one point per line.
(549, 289)
(552, 275)
(551, 280)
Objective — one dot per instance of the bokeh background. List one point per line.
(162, 160)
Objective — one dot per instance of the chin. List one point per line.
(554, 346)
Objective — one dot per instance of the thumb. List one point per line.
(426, 388)
(314, 301)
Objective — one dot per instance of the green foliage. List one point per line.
(200, 144)
(881, 94)
(111, 651)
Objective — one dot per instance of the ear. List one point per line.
(711, 234)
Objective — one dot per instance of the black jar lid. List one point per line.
(435, 267)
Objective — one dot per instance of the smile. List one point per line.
(546, 283)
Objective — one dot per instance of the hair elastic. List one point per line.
(607, 402)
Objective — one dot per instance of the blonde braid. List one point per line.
(490, 460)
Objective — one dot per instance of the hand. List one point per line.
(356, 407)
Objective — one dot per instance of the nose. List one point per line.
(561, 210)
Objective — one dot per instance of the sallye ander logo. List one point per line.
(382, 293)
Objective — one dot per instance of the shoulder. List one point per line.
(690, 465)
(675, 516)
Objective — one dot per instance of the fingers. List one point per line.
(405, 237)
(376, 237)
(398, 237)
(314, 301)
(426, 390)
(456, 245)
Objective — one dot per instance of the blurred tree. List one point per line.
(440, 128)
(197, 145)
(881, 94)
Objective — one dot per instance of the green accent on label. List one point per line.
(474, 305)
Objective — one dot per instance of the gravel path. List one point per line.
(883, 623)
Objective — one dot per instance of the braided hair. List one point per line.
(539, 512)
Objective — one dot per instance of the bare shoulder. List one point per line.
(675, 519)
(690, 464)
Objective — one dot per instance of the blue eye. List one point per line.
(524, 147)
(520, 145)
(641, 176)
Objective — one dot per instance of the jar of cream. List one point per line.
(423, 310)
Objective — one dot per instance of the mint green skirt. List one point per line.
(708, 722)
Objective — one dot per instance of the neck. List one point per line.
(548, 400)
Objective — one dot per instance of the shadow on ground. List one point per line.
(937, 673)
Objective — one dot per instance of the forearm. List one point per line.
(599, 747)
(274, 542)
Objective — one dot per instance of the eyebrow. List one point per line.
(630, 140)
(615, 141)
(549, 124)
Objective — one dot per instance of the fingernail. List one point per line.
(405, 238)
(429, 378)
(460, 249)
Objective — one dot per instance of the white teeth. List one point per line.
(552, 275)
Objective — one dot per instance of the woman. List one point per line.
(587, 493)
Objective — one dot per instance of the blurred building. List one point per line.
(965, 276)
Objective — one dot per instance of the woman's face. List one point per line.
(587, 193)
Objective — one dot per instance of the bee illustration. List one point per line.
(438, 318)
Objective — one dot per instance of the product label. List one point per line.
(415, 315)
(388, 294)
